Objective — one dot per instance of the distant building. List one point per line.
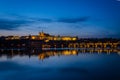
(42, 36)
(47, 37)
(12, 38)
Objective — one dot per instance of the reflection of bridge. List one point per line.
(58, 52)
(47, 54)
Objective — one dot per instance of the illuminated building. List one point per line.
(47, 37)
(43, 36)
(12, 37)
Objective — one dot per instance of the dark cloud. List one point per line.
(11, 24)
(65, 20)
(14, 22)
(73, 20)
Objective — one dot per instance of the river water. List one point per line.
(60, 65)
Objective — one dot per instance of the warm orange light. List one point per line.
(74, 52)
(74, 39)
(46, 40)
(33, 37)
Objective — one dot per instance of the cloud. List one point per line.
(10, 24)
(82, 27)
(16, 22)
(63, 20)
(73, 20)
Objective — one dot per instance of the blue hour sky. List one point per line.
(82, 18)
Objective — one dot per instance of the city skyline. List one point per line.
(82, 18)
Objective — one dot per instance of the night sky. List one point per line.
(82, 18)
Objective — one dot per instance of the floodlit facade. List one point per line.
(45, 36)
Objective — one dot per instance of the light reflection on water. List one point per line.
(61, 64)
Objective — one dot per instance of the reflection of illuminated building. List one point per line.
(48, 53)
(75, 52)
(119, 52)
(58, 53)
(47, 37)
